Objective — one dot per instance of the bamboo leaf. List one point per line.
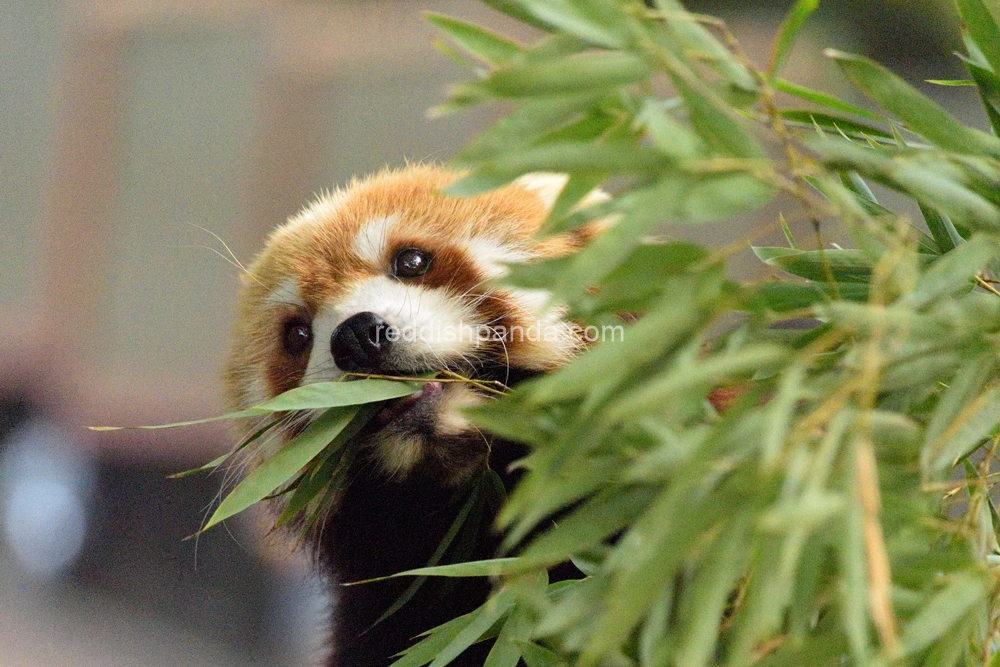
(307, 397)
(284, 465)
(435, 641)
(474, 39)
(836, 124)
(600, 22)
(694, 38)
(941, 228)
(982, 27)
(476, 568)
(487, 615)
(942, 611)
(823, 99)
(972, 423)
(562, 76)
(953, 273)
(849, 266)
(787, 33)
(595, 520)
(919, 113)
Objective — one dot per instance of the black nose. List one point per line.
(361, 344)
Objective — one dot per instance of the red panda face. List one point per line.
(389, 276)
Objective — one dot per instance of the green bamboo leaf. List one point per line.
(600, 22)
(709, 593)
(522, 127)
(327, 471)
(951, 82)
(641, 277)
(594, 521)
(713, 371)
(575, 604)
(474, 39)
(477, 568)
(668, 135)
(572, 75)
(941, 228)
(661, 329)
(953, 272)
(835, 124)
(981, 25)
(612, 157)
(576, 480)
(539, 656)
(852, 181)
(694, 38)
(921, 115)
(313, 481)
(645, 558)
(212, 465)
(506, 652)
(285, 464)
(435, 641)
(308, 397)
(780, 297)
(986, 80)
(717, 126)
(943, 610)
(823, 99)
(517, 630)
(515, 9)
(849, 266)
(932, 181)
(653, 647)
(972, 423)
(988, 84)
(570, 156)
(488, 614)
(789, 30)
(853, 588)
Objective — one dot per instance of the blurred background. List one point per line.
(139, 139)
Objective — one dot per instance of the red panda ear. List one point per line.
(547, 187)
(570, 242)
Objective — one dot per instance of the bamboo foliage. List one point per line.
(837, 510)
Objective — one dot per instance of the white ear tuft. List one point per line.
(545, 185)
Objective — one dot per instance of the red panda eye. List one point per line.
(411, 262)
(296, 336)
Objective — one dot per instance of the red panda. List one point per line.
(390, 276)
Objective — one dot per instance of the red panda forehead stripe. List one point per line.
(371, 240)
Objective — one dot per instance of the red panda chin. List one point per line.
(389, 274)
(429, 432)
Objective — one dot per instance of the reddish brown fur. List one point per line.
(315, 251)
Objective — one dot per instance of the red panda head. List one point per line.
(390, 276)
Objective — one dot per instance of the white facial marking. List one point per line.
(369, 243)
(535, 301)
(551, 338)
(257, 392)
(491, 255)
(321, 366)
(431, 325)
(285, 293)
